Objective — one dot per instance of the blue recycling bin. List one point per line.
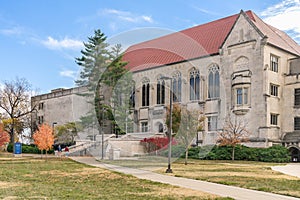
(18, 148)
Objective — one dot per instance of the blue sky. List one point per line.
(39, 40)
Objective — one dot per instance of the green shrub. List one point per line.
(275, 153)
(178, 151)
(28, 149)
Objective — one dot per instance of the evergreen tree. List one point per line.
(102, 68)
(93, 61)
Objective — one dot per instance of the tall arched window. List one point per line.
(176, 88)
(194, 84)
(214, 82)
(146, 92)
(160, 91)
(132, 96)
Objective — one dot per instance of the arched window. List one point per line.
(214, 82)
(132, 96)
(176, 88)
(194, 85)
(160, 91)
(146, 92)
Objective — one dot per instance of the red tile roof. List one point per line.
(198, 41)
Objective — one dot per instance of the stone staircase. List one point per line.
(89, 147)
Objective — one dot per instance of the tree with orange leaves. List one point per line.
(44, 137)
(4, 136)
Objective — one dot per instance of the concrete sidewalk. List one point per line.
(292, 169)
(213, 188)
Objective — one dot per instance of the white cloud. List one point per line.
(66, 43)
(127, 16)
(11, 31)
(69, 73)
(284, 16)
(205, 11)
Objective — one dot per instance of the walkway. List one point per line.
(292, 169)
(213, 188)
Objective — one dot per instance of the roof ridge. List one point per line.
(272, 28)
(186, 30)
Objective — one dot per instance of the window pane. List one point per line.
(217, 84)
(245, 95)
(297, 97)
(274, 63)
(239, 96)
(297, 123)
(179, 89)
(274, 119)
(163, 92)
(158, 93)
(174, 89)
(144, 95)
(197, 87)
(274, 90)
(211, 85)
(148, 95)
(192, 88)
(212, 123)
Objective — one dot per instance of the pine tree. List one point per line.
(102, 68)
(93, 61)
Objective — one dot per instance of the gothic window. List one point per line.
(160, 91)
(132, 96)
(214, 82)
(176, 87)
(194, 85)
(146, 92)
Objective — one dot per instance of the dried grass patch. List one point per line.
(5, 185)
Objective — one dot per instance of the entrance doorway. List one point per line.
(295, 154)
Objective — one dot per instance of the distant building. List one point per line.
(60, 106)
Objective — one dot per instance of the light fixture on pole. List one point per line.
(169, 170)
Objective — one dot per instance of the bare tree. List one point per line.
(185, 124)
(234, 132)
(15, 105)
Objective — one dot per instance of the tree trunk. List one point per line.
(233, 149)
(186, 155)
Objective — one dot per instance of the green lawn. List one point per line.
(251, 175)
(29, 178)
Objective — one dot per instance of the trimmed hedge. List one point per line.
(275, 153)
(28, 149)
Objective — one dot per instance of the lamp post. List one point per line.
(169, 170)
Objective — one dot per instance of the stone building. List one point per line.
(60, 106)
(237, 65)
